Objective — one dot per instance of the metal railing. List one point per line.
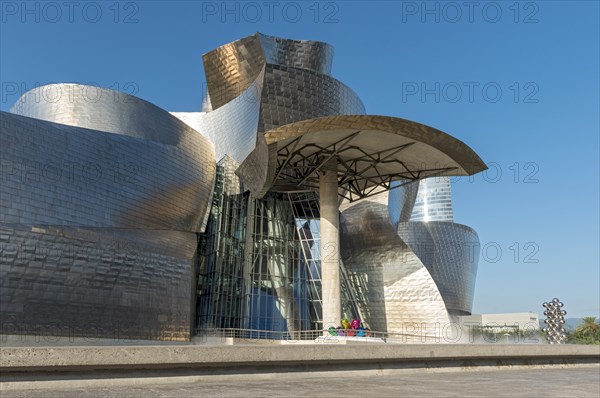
(416, 336)
(306, 335)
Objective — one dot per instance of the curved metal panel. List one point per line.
(107, 110)
(293, 80)
(450, 252)
(433, 201)
(304, 54)
(291, 95)
(401, 200)
(68, 176)
(395, 288)
(429, 199)
(99, 227)
(99, 283)
(233, 127)
(232, 68)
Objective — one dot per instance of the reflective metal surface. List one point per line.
(312, 55)
(105, 198)
(422, 215)
(262, 82)
(418, 274)
(233, 127)
(107, 110)
(395, 290)
(232, 68)
(401, 199)
(99, 216)
(450, 253)
(292, 95)
(108, 177)
(293, 85)
(433, 201)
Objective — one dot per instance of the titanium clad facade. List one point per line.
(433, 201)
(99, 225)
(231, 69)
(121, 220)
(109, 111)
(303, 54)
(401, 201)
(113, 151)
(396, 292)
(107, 284)
(262, 82)
(280, 279)
(232, 127)
(298, 83)
(291, 95)
(450, 252)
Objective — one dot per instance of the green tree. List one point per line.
(588, 332)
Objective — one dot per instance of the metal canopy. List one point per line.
(371, 152)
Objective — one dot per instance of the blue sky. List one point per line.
(518, 82)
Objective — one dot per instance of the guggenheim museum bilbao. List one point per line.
(281, 206)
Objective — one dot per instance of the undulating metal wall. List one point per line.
(255, 84)
(304, 54)
(394, 289)
(292, 94)
(103, 195)
(101, 201)
(260, 82)
(433, 201)
(405, 282)
(450, 252)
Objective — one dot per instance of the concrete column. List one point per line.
(330, 245)
(248, 260)
(278, 266)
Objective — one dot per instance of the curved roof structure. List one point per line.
(108, 110)
(371, 152)
(151, 170)
(261, 82)
(233, 67)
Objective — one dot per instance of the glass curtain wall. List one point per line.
(260, 262)
(305, 206)
(221, 260)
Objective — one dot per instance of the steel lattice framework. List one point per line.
(299, 164)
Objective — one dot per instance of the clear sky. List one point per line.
(517, 81)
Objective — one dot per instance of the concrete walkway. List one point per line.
(123, 368)
(579, 382)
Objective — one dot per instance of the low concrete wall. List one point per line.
(140, 357)
(53, 367)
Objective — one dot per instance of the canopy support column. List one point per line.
(330, 244)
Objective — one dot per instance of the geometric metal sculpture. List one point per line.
(555, 319)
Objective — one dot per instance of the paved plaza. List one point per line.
(530, 383)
